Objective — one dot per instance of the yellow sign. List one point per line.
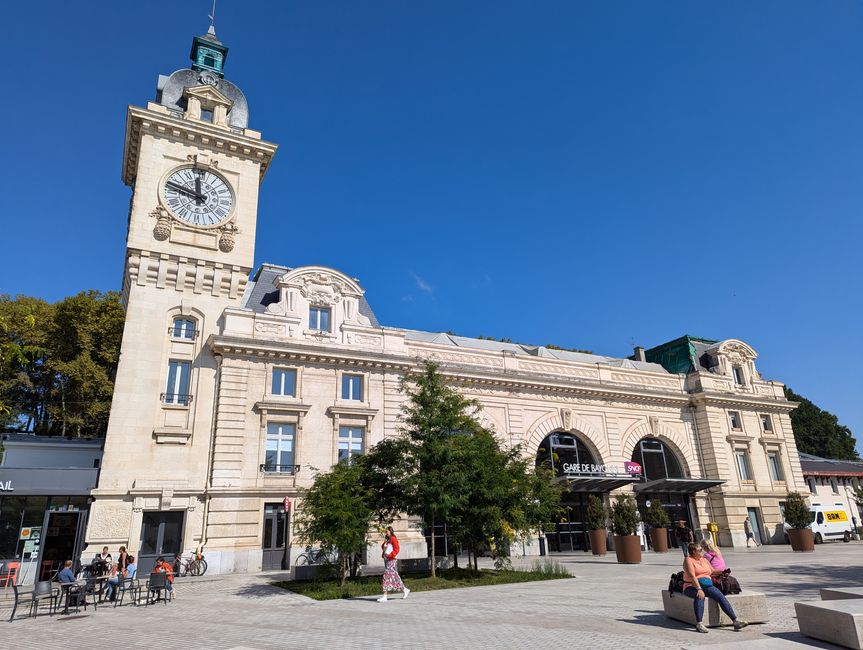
(835, 515)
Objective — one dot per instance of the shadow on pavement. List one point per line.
(799, 638)
(807, 577)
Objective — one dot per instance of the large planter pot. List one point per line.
(659, 539)
(628, 549)
(598, 541)
(801, 539)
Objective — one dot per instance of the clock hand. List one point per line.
(186, 190)
(200, 198)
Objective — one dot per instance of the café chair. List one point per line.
(158, 583)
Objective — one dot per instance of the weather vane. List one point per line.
(212, 18)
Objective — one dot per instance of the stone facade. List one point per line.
(205, 457)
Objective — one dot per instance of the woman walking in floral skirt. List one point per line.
(392, 580)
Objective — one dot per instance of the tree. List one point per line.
(624, 515)
(797, 513)
(445, 467)
(818, 432)
(336, 513)
(58, 362)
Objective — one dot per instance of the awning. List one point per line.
(678, 485)
(595, 483)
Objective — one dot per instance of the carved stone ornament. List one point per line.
(566, 418)
(227, 238)
(208, 79)
(653, 421)
(162, 229)
(322, 289)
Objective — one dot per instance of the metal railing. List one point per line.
(280, 469)
(180, 334)
(178, 399)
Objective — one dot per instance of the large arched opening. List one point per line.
(577, 466)
(664, 479)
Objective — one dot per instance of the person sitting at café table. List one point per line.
(102, 562)
(128, 572)
(66, 574)
(163, 567)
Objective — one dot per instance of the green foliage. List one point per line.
(445, 467)
(335, 513)
(448, 579)
(596, 515)
(58, 362)
(818, 432)
(797, 513)
(549, 567)
(624, 515)
(656, 516)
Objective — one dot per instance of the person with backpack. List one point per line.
(698, 585)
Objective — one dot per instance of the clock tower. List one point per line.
(194, 167)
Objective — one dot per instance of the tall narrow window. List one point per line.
(350, 442)
(811, 482)
(284, 382)
(834, 484)
(743, 465)
(352, 387)
(775, 466)
(280, 448)
(766, 423)
(734, 420)
(738, 375)
(319, 319)
(177, 387)
(183, 328)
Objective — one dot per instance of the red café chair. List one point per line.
(11, 575)
(46, 570)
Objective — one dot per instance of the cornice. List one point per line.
(722, 400)
(464, 375)
(141, 120)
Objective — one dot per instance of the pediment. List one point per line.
(321, 284)
(208, 95)
(737, 348)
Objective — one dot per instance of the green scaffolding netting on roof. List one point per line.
(679, 355)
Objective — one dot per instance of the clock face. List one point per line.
(198, 196)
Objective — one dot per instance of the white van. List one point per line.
(829, 521)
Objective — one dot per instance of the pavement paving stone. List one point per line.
(606, 605)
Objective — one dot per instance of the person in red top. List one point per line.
(163, 567)
(392, 580)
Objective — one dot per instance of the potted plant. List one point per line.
(657, 518)
(624, 523)
(596, 518)
(798, 517)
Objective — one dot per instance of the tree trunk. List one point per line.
(344, 567)
(433, 563)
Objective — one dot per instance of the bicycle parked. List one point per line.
(192, 566)
(317, 556)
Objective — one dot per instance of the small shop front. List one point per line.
(43, 516)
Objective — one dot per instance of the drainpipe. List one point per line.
(211, 454)
(700, 456)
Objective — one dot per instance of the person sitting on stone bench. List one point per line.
(698, 583)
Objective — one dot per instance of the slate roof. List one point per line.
(441, 338)
(261, 291)
(817, 465)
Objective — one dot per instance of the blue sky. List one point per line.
(590, 174)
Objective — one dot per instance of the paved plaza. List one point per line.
(605, 606)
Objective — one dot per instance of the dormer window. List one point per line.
(206, 115)
(738, 375)
(319, 319)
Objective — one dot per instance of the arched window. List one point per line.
(184, 329)
(656, 459)
(559, 449)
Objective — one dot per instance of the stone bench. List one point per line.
(749, 605)
(841, 593)
(836, 621)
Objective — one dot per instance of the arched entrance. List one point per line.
(581, 472)
(663, 479)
